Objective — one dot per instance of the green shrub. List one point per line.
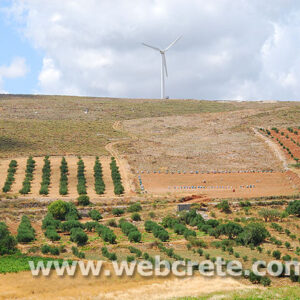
(106, 233)
(276, 254)
(30, 166)
(78, 236)
(130, 258)
(157, 230)
(83, 200)
(265, 281)
(45, 249)
(224, 206)
(58, 209)
(26, 233)
(131, 231)
(7, 241)
(136, 217)
(136, 207)
(117, 212)
(112, 223)
(52, 234)
(95, 215)
(294, 208)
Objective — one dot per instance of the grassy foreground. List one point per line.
(19, 262)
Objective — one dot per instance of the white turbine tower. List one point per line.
(163, 64)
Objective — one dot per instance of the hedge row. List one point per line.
(26, 233)
(81, 181)
(63, 183)
(98, 175)
(106, 234)
(131, 231)
(7, 241)
(30, 166)
(116, 177)
(46, 173)
(157, 230)
(12, 168)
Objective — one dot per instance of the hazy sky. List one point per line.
(230, 49)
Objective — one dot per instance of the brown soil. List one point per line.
(266, 184)
(24, 286)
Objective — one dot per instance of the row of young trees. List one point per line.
(130, 230)
(106, 234)
(116, 177)
(46, 174)
(63, 182)
(98, 175)
(12, 168)
(30, 166)
(157, 230)
(81, 181)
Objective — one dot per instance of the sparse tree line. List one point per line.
(116, 177)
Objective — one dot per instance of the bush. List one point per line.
(78, 236)
(253, 233)
(30, 166)
(224, 206)
(230, 229)
(7, 241)
(58, 209)
(45, 249)
(117, 212)
(95, 215)
(294, 208)
(112, 223)
(130, 258)
(136, 207)
(134, 236)
(254, 278)
(136, 217)
(68, 225)
(83, 200)
(26, 233)
(276, 254)
(52, 234)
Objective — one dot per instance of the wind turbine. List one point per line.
(163, 64)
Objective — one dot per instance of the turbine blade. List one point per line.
(172, 44)
(155, 48)
(165, 63)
